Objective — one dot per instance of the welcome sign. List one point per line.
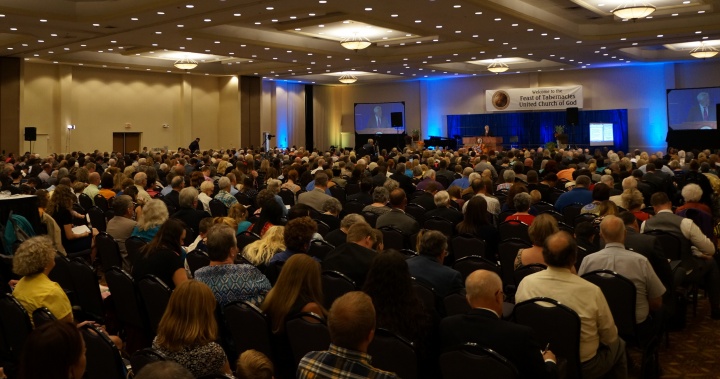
(529, 99)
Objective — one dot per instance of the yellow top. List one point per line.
(37, 291)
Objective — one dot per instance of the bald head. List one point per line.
(560, 250)
(94, 178)
(483, 288)
(612, 229)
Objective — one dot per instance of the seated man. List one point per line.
(317, 196)
(483, 326)
(602, 351)
(650, 247)
(429, 268)
(443, 209)
(339, 236)
(352, 327)
(355, 257)
(397, 217)
(578, 195)
(631, 265)
(696, 250)
(121, 226)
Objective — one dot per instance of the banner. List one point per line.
(529, 99)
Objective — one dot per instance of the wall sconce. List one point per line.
(71, 127)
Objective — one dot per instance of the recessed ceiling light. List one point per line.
(674, 14)
(322, 2)
(634, 43)
(96, 25)
(189, 6)
(237, 14)
(478, 13)
(393, 15)
(41, 41)
(13, 29)
(698, 32)
(543, 34)
(158, 32)
(311, 14)
(701, 11)
(274, 20)
(530, 30)
(207, 20)
(418, 21)
(498, 19)
(457, 6)
(257, 23)
(161, 13)
(43, 20)
(269, 8)
(660, 35)
(292, 17)
(368, 9)
(134, 19)
(557, 38)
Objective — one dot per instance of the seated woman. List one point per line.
(106, 182)
(692, 193)
(379, 206)
(476, 222)
(206, 192)
(521, 202)
(260, 252)
(331, 212)
(163, 256)
(600, 193)
(273, 186)
(34, 260)
(298, 289)
(188, 331)
(154, 214)
(542, 227)
(270, 215)
(291, 183)
(53, 230)
(60, 207)
(55, 350)
(229, 281)
(239, 213)
(605, 208)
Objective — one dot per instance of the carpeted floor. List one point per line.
(694, 352)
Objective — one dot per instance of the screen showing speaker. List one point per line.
(693, 108)
(384, 118)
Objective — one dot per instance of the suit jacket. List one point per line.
(425, 200)
(405, 182)
(513, 341)
(315, 198)
(352, 260)
(191, 217)
(442, 278)
(695, 114)
(398, 219)
(173, 198)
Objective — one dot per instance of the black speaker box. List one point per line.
(396, 119)
(572, 116)
(30, 133)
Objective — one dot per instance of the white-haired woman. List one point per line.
(154, 214)
(692, 193)
(273, 186)
(206, 191)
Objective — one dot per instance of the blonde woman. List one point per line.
(260, 252)
(188, 330)
(154, 214)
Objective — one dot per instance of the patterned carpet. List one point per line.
(694, 352)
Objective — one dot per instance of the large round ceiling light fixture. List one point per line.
(703, 51)
(186, 64)
(347, 79)
(497, 67)
(633, 11)
(355, 42)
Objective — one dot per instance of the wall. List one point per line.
(102, 101)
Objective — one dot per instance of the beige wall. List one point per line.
(103, 101)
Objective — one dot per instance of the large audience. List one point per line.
(271, 224)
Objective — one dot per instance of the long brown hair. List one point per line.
(189, 318)
(299, 279)
(62, 198)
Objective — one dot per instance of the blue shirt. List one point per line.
(463, 182)
(145, 235)
(166, 190)
(285, 255)
(576, 195)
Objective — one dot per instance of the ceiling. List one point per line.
(298, 40)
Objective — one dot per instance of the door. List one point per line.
(126, 142)
(119, 142)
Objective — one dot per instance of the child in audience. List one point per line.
(253, 364)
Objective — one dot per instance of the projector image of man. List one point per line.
(704, 110)
(378, 123)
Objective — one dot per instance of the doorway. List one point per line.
(126, 142)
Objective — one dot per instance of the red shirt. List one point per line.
(528, 219)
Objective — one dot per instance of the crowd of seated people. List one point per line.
(621, 201)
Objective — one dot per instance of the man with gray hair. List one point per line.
(703, 110)
(463, 182)
(188, 212)
(610, 181)
(443, 209)
(508, 178)
(429, 177)
(173, 197)
(224, 194)
(484, 326)
(121, 226)
(429, 268)
(141, 183)
(339, 236)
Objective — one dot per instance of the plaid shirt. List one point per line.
(339, 363)
(226, 198)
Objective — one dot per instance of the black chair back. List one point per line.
(334, 285)
(440, 224)
(287, 196)
(589, 217)
(42, 316)
(352, 188)
(155, 295)
(103, 357)
(552, 212)
(456, 303)
(102, 203)
(417, 211)
(85, 201)
(620, 293)
(307, 332)
(672, 247)
(322, 228)
(543, 207)
(246, 200)
(61, 274)
(524, 271)
(556, 324)
(134, 247)
(108, 251)
(338, 193)
(353, 206)
(507, 251)
(15, 326)
(144, 357)
(249, 327)
(190, 236)
(465, 245)
(87, 290)
(97, 218)
(570, 212)
(218, 208)
(514, 229)
(467, 265)
(370, 217)
(393, 353)
(426, 293)
(319, 249)
(466, 361)
(245, 238)
(125, 294)
(197, 259)
(393, 238)
(566, 228)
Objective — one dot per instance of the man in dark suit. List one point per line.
(354, 257)
(426, 199)
(194, 145)
(397, 217)
(659, 180)
(703, 110)
(173, 198)
(381, 176)
(364, 195)
(444, 210)
(429, 268)
(483, 326)
(188, 213)
(405, 182)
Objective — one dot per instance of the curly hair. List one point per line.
(62, 198)
(33, 256)
(389, 285)
(154, 214)
(298, 233)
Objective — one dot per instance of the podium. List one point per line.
(486, 144)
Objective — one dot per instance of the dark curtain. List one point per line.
(537, 128)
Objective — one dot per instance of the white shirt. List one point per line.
(493, 204)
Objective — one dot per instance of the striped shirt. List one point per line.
(339, 363)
